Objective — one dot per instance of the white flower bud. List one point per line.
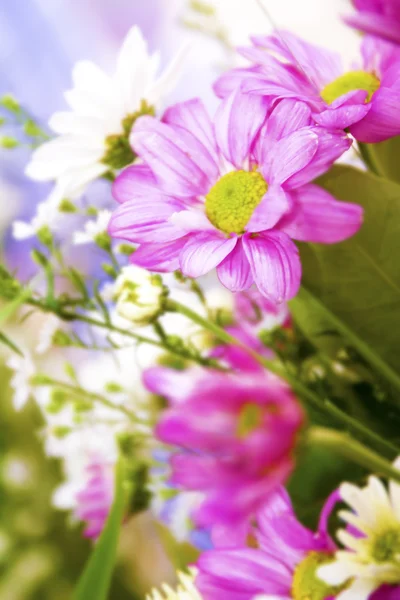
(139, 295)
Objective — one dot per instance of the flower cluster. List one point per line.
(221, 307)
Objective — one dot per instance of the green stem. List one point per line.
(369, 159)
(369, 355)
(76, 391)
(324, 405)
(349, 448)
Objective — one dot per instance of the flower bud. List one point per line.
(139, 295)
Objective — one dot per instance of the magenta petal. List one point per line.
(331, 145)
(145, 220)
(237, 122)
(284, 158)
(203, 252)
(342, 117)
(192, 115)
(271, 209)
(174, 385)
(288, 116)
(132, 182)
(234, 271)
(318, 217)
(174, 156)
(378, 25)
(232, 80)
(275, 264)
(159, 257)
(382, 121)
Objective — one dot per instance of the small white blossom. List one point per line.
(47, 217)
(47, 332)
(94, 229)
(186, 589)
(372, 558)
(94, 136)
(24, 369)
(138, 295)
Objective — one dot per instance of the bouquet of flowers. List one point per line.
(215, 330)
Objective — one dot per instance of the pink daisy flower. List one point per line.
(377, 17)
(364, 101)
(232, 193)
(280, 564)
(94, 501)
(234, 435)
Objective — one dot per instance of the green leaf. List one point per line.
(10, 308)
(358, 281)
(6, 340)
(383, 158)
(96, 579)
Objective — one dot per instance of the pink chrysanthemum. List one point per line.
(234, 435)
(95, 499)
(377, 17)
(363, 101)
(280, 564)
(232, 193)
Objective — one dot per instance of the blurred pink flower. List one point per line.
(235, 436)
(377, 17)
(95, 499)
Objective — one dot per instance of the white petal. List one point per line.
(336, 573)
(359, 590)
(169, 78)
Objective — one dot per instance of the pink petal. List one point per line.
(145, 220)
(174, 156)
(284, 158)
(192, 115)
(275, 264)
(159, 257)
(134, 181)
(174, 385)
(331, 145)
(232, 79)
(342, 117)
(203, 252)
(382, 121)
(288, 116)
(318, 217)
(191, 221)
(380, 25)
(271, 209)
(237, 123)
(234, 271)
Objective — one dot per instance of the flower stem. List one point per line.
(321, 404)
(350, 448)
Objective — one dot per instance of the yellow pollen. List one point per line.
(349, 82)
(231, 201)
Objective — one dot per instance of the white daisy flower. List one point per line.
(186, 589)
(93, 138)
(24, 369)
(372, 557)
(47, 219)
(95, 231)
(138, 295)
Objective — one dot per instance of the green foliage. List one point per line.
(357, 281)
(383, 158)
(96, 579)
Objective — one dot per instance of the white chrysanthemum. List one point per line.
(95, 230)
(186, 589)
(373, 557)
(46, 218)
(94, 136)
(24, 369)
(138, 295)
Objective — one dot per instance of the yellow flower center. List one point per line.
(250, 418)
(306, 584)
(386, 546)
(231, 201)
(119, 153)
(349, 82)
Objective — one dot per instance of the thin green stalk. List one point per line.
(350, 448)
(366, 351)
(369, 160)
(322, 404)
(76, 391)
